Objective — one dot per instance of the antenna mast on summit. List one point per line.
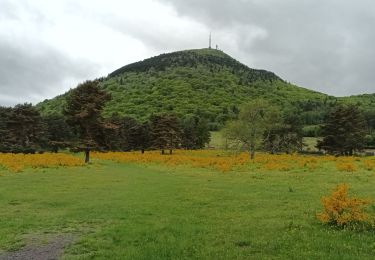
(210, 41)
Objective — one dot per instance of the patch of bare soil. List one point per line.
(41, 248)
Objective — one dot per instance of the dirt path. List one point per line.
(41, 250)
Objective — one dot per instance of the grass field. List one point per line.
(156, 211)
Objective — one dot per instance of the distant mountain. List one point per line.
(207, 82)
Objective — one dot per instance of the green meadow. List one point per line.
(129, 211)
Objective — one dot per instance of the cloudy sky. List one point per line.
(47, 47)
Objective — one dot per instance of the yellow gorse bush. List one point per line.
(17, 162)
(224, 162)
(369, 165)
(340, 210)
(346, 164)
(203, 159)
(213, 159)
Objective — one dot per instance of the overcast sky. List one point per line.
(47, 47)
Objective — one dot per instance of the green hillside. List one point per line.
(367, 101)
(206, 82)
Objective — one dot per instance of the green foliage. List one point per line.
(211, 85)
(59, 133)
(256, 120)
(370, 140)
(195, 132)
(312, 131)
(206, 83)
(83, 112)
(22, 129)
(127, 135)
(165, 132)
(344, 131)
(285, 136)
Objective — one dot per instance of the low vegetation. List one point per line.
(18, 162)
(341, 210)
(134, 206)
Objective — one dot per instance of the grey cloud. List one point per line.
(319, 44)
(7, 10)
(30, 75)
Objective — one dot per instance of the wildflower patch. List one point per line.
(17, 162)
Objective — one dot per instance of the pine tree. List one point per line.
(195, 132)
(22, 129)
(83, 113)
(58, 132)
(165, 132)
(344, 131)
(140, 137)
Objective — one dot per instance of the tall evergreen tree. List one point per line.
(59, 133)
(120, 136)
(140, 137)
(22, 129)
(195, 132)
(344, 131)
(5, 113)
(165, 132)
(83, 113)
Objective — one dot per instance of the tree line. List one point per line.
(262, 126)
(83, 128)
(258, 126)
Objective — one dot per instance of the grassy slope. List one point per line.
(126, 211)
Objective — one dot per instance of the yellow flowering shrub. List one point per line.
(213, 159)
(369, 165)
(340, 210)
(203, 158)
(346, 167)
(276, 166)
(17, 162)
(219, 160)
(346, 164)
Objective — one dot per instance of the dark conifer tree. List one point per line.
(165, 132)
(83, 113)
(344, 131)
(22, 129)
(5, 113)
(59, 133)
(140, 137)
(195, 132)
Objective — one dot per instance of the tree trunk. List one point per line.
(162, 151)
(170, 151)
(87, 155)
(252, 152)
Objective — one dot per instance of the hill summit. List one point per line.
(205, 82)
